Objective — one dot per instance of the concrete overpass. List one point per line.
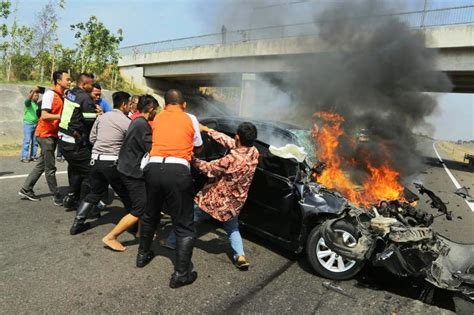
(239, 63)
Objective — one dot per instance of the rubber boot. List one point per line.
(145, 254)
(70, 201)
(80, 224)
(183, 274)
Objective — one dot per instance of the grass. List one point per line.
(456, 151)
(10, 149)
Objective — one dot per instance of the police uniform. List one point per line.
(77, 117)
(107, 136)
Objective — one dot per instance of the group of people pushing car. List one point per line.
(147, 160)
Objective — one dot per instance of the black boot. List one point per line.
(80, 224)
(145, 254)
(70, 201)
(183, 274)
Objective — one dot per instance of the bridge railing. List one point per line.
(415, 19)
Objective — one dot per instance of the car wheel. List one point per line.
(325, 261)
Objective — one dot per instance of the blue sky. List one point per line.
(147, 21)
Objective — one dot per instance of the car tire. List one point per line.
(334, 270)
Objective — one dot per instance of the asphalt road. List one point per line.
(45, 270)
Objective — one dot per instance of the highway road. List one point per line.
(45, 270)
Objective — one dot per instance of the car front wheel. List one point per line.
(328, 263)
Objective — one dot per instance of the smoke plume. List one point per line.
(375, 77)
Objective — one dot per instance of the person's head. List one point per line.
(85, 81)
(246, 134)
(96, 92)
(62, 79)
(35, 92)
(174, 97)
(147, 106)
(134, 103)
(121, 101)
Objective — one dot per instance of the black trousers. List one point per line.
(102, 174)
(169, 184)
(78, 159)
(136, 189)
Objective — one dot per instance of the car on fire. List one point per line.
(284, 204)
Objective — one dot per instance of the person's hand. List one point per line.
(203, 128)
(99, 110)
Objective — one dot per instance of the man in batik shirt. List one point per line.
(230, 178)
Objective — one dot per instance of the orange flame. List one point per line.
(381, 182)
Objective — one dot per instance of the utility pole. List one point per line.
(424, 14)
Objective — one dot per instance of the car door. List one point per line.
(270, 206)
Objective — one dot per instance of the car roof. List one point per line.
(270, 132)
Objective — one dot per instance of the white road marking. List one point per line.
(453, 179)
(26, 175)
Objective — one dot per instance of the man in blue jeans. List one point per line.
(225, 193)
(30, 119)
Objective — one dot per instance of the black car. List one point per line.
(284, 204)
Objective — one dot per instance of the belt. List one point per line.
(104, 157)
(66, 138)
(170, 160)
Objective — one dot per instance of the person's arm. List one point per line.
(222, 139)
(214, 168)
(197, 139)
(47, 105)
(93, 135)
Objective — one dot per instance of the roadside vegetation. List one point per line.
(30, 53)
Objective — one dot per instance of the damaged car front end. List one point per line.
(398, 237)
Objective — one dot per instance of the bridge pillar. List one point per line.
(248, 94)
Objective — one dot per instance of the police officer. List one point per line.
(107, 136)
(77, 118)
(168, 180)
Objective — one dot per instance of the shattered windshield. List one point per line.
(307, 142)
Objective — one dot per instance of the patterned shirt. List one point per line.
(229, 179)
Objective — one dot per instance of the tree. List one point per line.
(97, 47)
(45, 34)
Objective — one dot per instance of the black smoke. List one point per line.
(375, 75)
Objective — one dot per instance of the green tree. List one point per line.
(46, 35)
(97, 48)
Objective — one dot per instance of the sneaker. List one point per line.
(34, 159)
(60, 159)
(30, 195)
(24, 161)
(242, 263)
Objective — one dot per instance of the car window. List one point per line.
(274, 164)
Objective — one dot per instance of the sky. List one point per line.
(145, 21)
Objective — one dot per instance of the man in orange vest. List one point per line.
(168, 180)
(47, 136)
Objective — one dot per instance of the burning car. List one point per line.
(285, 204)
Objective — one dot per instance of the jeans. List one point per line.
(46, 163)
(231, 227)
(29, 137)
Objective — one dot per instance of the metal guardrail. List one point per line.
(415, 19)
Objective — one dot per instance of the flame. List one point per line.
(381, 182)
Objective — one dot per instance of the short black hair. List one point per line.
(145, 102)
(119, 98)
(57, 75)
(174, 97)
(96, 85)
(83, 76)
(247, 133)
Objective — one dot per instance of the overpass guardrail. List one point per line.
(415, 19)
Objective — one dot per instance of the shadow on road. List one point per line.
(452, 165)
